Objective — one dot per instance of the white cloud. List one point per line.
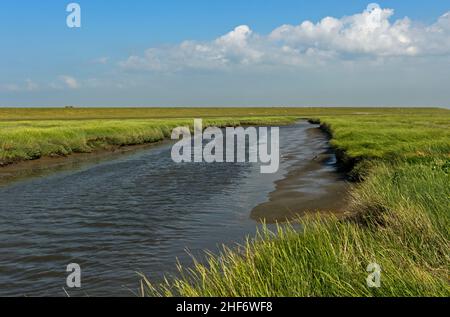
(235, 47)
(232, 48)
(369, 34)
(69, 81)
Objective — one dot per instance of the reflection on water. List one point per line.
(134, 213)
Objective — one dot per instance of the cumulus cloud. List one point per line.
(69, 81)
(236, 47)
(369, 34)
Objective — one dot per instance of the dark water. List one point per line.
(135, 213)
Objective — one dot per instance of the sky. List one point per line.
(225, 53)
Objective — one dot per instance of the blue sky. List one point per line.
(130, 53)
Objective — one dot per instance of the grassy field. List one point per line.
(22, 114)
(27, 134)
(399, 216)
(29, 140)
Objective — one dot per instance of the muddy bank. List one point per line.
(345, 163)
(312, 184)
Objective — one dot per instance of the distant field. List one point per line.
(155, 113)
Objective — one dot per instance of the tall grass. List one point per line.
(398, 218)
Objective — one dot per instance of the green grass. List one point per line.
(399, 218)
(391, 136)
(28, 140)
